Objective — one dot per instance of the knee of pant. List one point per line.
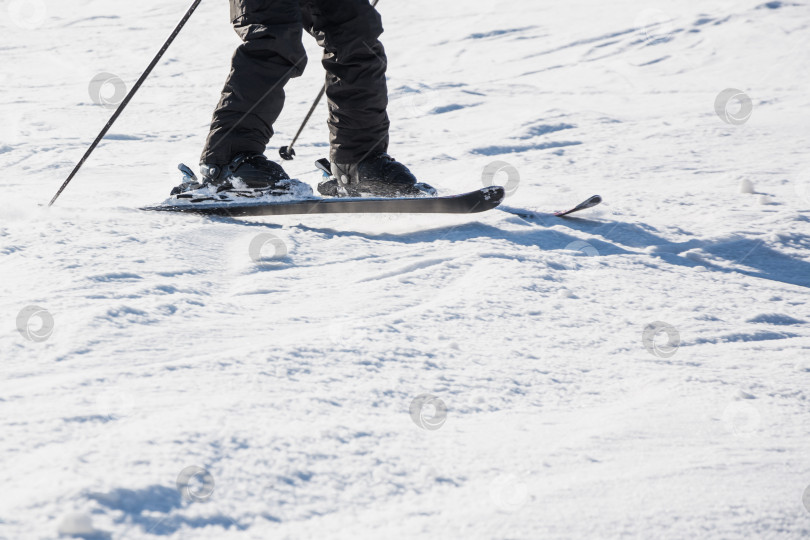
(351, 26)
(255, 20)
(280, 42)
(266, 12)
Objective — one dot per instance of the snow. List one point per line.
(637, 371)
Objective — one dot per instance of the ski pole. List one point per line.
(127, 99)
(288, 152)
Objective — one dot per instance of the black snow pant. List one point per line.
(272, 53)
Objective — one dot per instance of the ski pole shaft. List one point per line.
(288, 152)
(128, 98)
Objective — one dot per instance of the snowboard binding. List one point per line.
(332, 187)
(193, 191)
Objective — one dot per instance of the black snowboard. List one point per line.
(465, 203)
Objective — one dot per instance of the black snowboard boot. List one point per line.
(252, 172)
(376, 176)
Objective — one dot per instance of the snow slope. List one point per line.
(288, 373)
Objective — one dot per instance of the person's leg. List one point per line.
(355, 63)
(253, 96)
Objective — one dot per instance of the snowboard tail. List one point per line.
(590, 202)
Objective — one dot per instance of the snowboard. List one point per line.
(472, 202)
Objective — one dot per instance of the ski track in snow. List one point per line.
(288, 375)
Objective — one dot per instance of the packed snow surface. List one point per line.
(640, 370)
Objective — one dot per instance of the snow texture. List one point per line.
(638, 371)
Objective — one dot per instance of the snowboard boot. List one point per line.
(377, 176)
(245, 172)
